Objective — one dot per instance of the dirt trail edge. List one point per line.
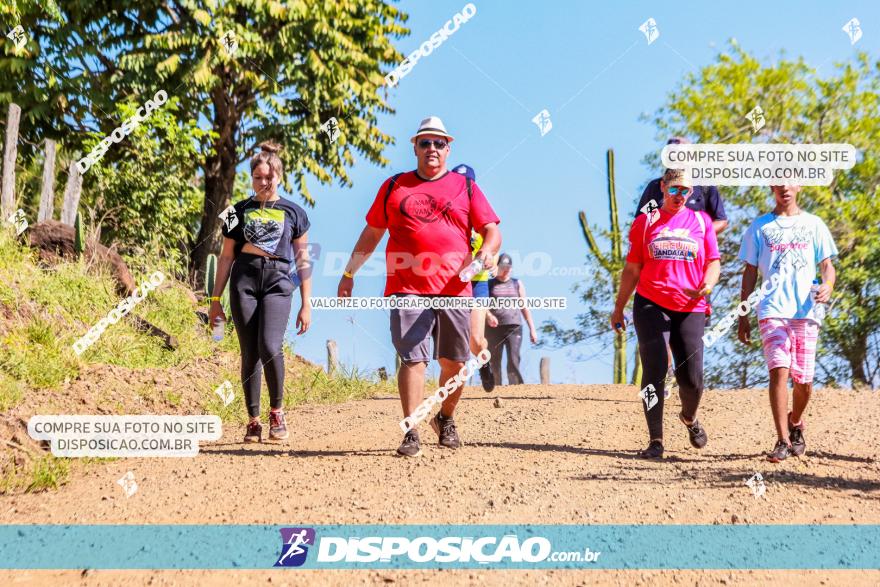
(560, 454)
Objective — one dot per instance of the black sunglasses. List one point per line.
(438, 144)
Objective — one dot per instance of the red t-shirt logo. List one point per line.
(423, 207)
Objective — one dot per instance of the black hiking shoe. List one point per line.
(780, 452)
(696, 432)
(277, 426)
(796, 436)
(254, 432)
(486, 378)
(446, 432)
(654, 451)
(410, 446)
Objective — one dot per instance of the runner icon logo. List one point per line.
(295, 546)
(649, 396)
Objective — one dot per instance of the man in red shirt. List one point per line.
(428, 214)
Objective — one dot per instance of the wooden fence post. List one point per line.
(545, 370)
(47, 193)
(71, 194)
(10, 151)
(332, 357)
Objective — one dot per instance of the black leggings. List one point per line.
(259, 296)
(507, 336)
(683, 332)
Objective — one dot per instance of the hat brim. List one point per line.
(431, 131)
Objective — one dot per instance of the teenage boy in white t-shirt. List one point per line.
(788, 245)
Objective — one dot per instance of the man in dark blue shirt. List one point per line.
(705, 198)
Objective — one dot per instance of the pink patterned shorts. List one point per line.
(791, 343)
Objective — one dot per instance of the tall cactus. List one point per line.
(210, 277)
(79, 236)
(612, 264)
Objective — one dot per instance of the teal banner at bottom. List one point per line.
(439, 546)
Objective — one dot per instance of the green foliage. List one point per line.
(11, 392)
(39, 474)
(145, 190)
(800, 106)
(296, 65)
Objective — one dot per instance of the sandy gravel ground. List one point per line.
(561, 454)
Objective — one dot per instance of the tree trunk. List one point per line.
(72, 192)
(47, 193)
(219, 182)
(7, 191)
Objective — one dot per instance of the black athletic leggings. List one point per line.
(259, 296)
(683, 332)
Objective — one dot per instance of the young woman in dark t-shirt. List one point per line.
(264, 236)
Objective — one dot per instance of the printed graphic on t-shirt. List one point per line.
(791, 245)
(263, 228)
(674, 245)
(423, 207)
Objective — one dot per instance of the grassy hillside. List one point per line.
(43, 310)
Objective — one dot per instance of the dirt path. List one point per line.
(559, 454)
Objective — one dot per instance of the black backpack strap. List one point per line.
(391, 185)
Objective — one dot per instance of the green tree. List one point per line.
(149, 192)
(296, 65)
(799, 106)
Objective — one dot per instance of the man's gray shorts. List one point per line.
(412, 330)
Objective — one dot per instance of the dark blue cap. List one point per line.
(466, 170)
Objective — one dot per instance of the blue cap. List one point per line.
(466, 170)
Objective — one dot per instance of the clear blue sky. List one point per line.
(592, 69)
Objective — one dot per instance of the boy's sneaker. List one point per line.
(410, 446)
(796, 436)
(486, 378)
(445, 429)
(696, 432)
(254, 432)
(277, 426)
(780, 452)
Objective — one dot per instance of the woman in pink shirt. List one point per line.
(672, 265)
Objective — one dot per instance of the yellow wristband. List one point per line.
(347, 274)
(214, 299)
